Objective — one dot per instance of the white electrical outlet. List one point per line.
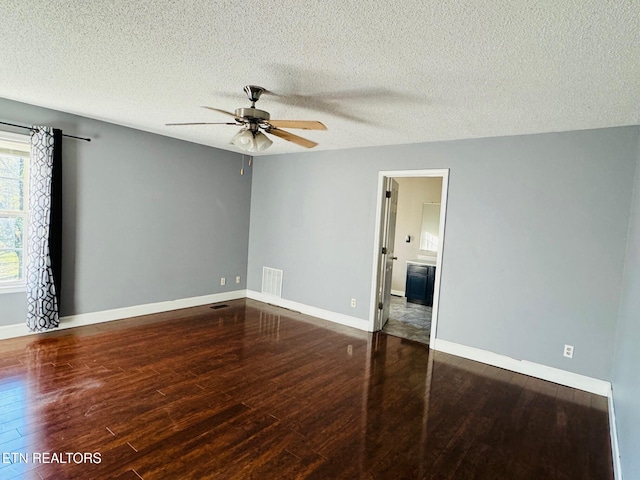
(238, 279)
(353, 303)
(223, 281)
(568, 351)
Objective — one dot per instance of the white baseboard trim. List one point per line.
(562, 377)
(83, 319)
(613, 433)
(340, 318)
(398, 293)
(13, 331)
(555, 375)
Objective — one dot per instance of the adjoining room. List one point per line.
(416, 246)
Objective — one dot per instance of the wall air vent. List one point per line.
(272, 281)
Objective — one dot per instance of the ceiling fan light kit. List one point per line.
(250, 141)
(252, 120)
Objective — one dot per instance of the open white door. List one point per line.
(387, 257)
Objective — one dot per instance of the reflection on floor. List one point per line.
(408, 320)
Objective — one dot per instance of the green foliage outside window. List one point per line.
(13, 210)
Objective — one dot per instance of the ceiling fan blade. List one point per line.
(221, 111)
(201, 123)
(303, 124)
(290, 137)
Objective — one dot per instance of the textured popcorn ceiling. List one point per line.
(376, 73)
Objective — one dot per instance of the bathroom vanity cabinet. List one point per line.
(420, 283)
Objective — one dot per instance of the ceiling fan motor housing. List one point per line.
(252, 114)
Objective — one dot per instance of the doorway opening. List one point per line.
(408, 252)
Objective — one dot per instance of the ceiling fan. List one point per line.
(254, 122)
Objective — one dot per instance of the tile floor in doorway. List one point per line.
(408, 320)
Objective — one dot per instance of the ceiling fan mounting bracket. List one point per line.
(253, 92)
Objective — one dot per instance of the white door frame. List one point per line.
(444, 174)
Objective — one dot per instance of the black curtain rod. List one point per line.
(31, 128)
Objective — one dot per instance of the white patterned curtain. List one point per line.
(42, 300)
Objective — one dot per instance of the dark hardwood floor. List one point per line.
(254, 391)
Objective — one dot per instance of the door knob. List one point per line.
(394, 258)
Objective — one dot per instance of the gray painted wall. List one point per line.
(534, 248)
(146, 218)
(625, 376)
(13, 308)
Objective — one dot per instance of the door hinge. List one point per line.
(388, 194)
(384, 250)
(380, 305)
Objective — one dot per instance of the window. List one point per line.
(14, 208)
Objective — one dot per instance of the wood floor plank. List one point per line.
(254, 391)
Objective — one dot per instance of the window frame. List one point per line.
(16, 286)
